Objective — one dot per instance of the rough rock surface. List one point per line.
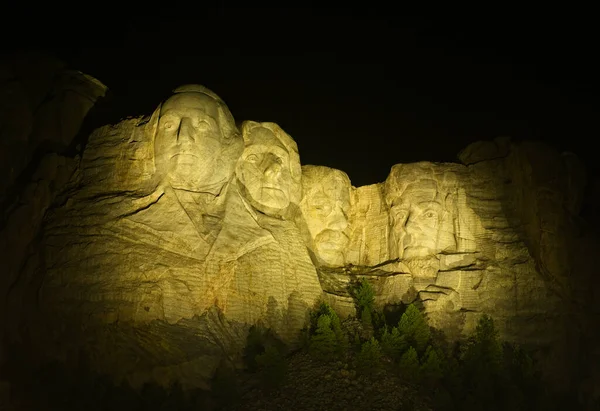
(176, 232)
(42, 104)
(150, 248)
(42, 107)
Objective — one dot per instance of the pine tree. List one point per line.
(272, 367)
(431, 369)
(393, 344)
(486, 347)
(340, 336)
(379, 322)
(322, 309)
(409, 365)
(482, 360)
(414, 327)
(323, 344)
(369, 359)
(365, 317)
(364, 296)
(318, 335)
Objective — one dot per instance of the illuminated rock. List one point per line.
(174, 233)
(178, 221)
(451, 233)
(128, 244)
(423, 213)
(269, 171)
(444, 234)
(325, 210)
(259, 267)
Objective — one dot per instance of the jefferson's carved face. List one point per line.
(190, 144)
(325, 208)
(264, 172)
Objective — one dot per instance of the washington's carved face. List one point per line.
(190, 143)
(325, 208)
(264, 172)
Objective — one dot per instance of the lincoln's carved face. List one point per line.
(266, 169)
(194, 145)
(421, 219)
(416, 218)
(325, 207)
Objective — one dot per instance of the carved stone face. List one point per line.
(194, 146)
(325, 207)
(416, 219)
(265, 170)
(421, 218)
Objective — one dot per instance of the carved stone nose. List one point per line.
(273, 170)
(186, 131)
(337, 220)
(406, 240)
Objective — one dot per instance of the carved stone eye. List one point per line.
(252, 158)
(430, 214)
(400, 215)
(203, 125)
(323, 209)
(168, 125)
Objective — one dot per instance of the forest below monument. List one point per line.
(375, 360)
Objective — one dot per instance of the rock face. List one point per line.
(177, 232)
(42, 104)
(42, 107)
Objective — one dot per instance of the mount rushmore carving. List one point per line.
(180, 230)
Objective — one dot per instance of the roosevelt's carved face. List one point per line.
(265, 171)
(325, 208)
(194, 145)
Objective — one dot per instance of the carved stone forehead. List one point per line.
(423, 179)
(328, 179)
(264, 138)
(268, 134)
(191, 100)
(419, 192)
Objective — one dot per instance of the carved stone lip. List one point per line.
(271, 187)
(186, 157)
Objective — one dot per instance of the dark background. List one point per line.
(359, 89)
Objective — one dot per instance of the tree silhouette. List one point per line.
(414, 328)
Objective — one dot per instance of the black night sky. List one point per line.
(358, 89)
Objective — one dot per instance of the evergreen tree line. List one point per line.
(480, 373)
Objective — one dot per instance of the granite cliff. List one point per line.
(153, 251)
